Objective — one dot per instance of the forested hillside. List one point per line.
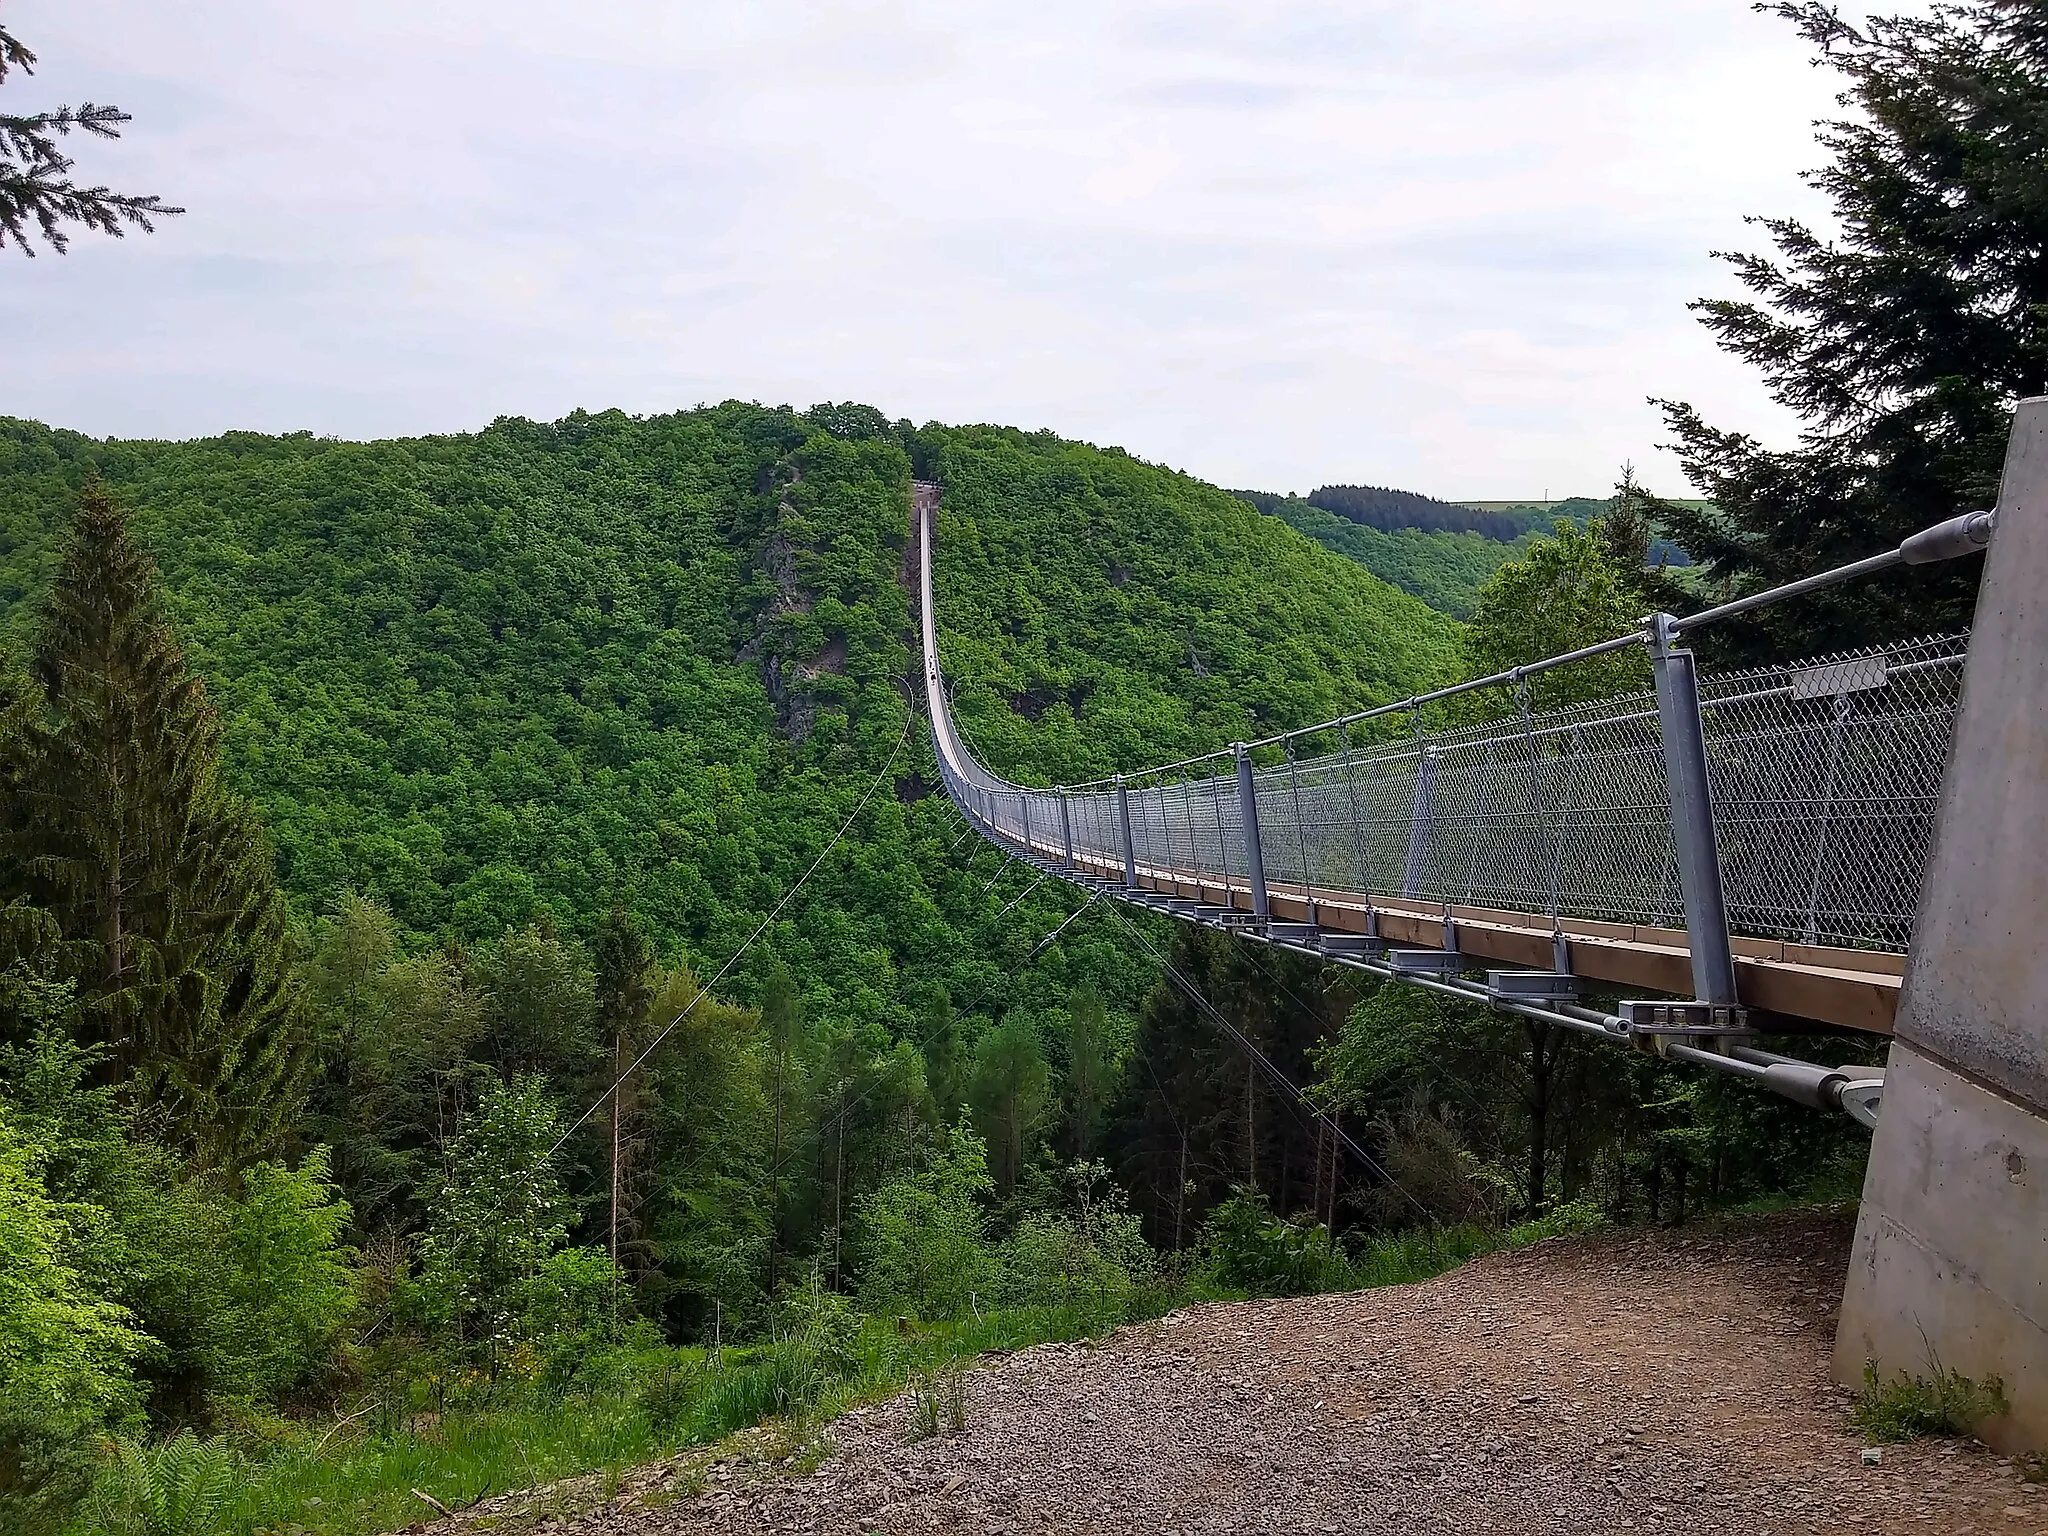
(1441, 552)
(548, 668)
(371, 810)
(1445, 569)
(368, 809)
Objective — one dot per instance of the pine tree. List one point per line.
(156, 872)
(1089, 1069)
(621, 960)
(1902, 342)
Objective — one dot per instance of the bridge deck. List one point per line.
(1848, 988)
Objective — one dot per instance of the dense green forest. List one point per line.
(372, 806)
(1444, 569)
(1442, 553)
(374, 811)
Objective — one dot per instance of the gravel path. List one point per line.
(1674, 1383)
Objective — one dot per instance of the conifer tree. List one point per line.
(156, 872)
(622, 962)
(35, 181)
(1902, 341)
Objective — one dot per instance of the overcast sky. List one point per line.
(1440, 246)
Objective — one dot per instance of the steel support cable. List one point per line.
(734, 958)
(1251, 953)
(1804, 1082)
(952, 1017)
(1012, 906)
(1259, 1058)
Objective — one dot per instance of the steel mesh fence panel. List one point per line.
(1826, 777)
(1824, 774)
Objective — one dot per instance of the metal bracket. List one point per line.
(1353, 946)
(1648, 1016)
(1533, 986)
(1426, 962)
(1291, 933)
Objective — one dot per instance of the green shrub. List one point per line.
(938, 1401)
(566, 1310)
(46, 1470)
(923, 1239)
(822, 1322)
(1909, 1407)
(65, 1349)
(1560, 1221)
(1247, 1248)
(669, 1395)
(1094, 1255)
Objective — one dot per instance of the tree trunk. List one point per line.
(775, 1179)
(1180, 1191)
(1542, 1059)
(1251, 1145)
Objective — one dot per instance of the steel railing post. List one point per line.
(1066, 830)
(1024, 821)
(1418, 820)
(1248, 819)
(1692, 814)
(1123, 816)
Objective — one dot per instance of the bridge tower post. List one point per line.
(1692, 815)
(1123, 817)
(1951, 1253)
(1248, 820)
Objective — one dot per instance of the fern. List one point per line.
(184, 1486)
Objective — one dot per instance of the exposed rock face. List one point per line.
(788, 674)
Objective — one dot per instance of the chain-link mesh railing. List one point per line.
(1824, 778)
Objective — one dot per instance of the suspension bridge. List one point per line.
(1729, 855)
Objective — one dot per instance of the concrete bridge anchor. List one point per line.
(1951, 1256)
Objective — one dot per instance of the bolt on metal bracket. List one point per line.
(1652, 1017)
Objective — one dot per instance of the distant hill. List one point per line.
(1390, 511)
(1441, 551)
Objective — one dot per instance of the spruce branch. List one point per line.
(36, 188)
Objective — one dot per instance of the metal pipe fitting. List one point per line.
(1965, 535)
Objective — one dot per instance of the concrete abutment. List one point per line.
(1950, 1263)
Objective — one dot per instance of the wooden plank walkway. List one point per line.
(1801, 984)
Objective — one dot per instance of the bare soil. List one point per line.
(1640, 1382)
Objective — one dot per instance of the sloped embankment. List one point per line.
(1670, 1382)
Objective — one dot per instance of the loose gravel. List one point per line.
(1645, 1382)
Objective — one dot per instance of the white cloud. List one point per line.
(1276, 244)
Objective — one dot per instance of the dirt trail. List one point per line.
(1674, 1383)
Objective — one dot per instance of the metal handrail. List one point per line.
(1688, 803)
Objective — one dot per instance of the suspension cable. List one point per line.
(1259, 1058)
(734, 958)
